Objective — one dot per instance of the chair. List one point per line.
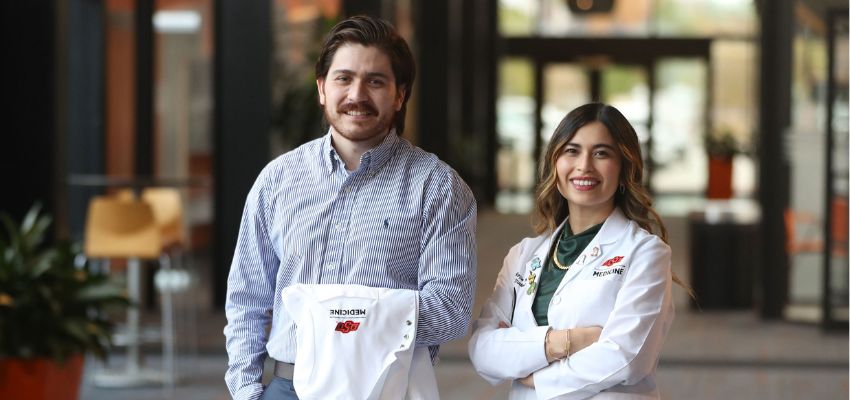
(804, 230)
(168, 213)
(125, 228)
(167, 206)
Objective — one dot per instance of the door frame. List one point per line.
(626, 51)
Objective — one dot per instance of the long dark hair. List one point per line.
(634, 200)
(550, 207)
(369, 31)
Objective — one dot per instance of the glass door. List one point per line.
(679, 162)
(515, 121)
(565, 87)
(666, 106)
(663, 90)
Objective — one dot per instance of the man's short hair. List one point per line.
(373, 32)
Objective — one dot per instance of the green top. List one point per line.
(568, 249)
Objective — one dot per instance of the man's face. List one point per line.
(359, 93)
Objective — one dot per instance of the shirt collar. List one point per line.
(327, 153)
(371, 161)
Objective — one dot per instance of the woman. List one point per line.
(582, 309)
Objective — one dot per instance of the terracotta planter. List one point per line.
(40, 378)
(719, 178)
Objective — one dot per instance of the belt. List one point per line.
(284, 370)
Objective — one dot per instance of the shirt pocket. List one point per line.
(387, 246)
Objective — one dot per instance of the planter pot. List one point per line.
(719, 178)
(40, 378)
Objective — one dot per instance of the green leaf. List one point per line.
(30, 218)
(11, 230)
(43, 263)
(102, 291)
(33, 236)
(77, 329)
(58, 309)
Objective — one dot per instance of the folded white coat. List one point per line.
(358, 342)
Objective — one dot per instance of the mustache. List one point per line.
(361, 106)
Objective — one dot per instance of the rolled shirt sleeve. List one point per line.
(447, 265)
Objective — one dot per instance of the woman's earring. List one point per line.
(622, 189)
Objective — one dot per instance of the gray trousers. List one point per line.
(279, 389)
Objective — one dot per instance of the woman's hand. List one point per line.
(561, 343)
(556, 344)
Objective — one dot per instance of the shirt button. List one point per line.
(409, 323)
(331, 266)
(556, 300)
(339, 227)
(407, 336)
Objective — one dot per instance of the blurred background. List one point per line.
(741, 107)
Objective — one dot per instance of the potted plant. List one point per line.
(721, 147)
(52, 311)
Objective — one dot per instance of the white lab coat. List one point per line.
(358, 342)
(621, 282)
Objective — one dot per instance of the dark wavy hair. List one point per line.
(550, 207)
(373, 32)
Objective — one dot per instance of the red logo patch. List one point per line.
(347, 326)
(612, 261)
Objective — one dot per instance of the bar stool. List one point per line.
(174, 277)
(167, 209)
(127, 229)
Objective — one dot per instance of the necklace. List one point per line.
(555, 254)
(558, 263)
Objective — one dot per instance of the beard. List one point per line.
(358, 131)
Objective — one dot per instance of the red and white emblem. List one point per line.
(611, 261)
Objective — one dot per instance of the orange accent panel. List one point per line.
(120, 94)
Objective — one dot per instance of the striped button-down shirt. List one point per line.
(403, 220)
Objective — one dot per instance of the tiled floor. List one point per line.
(708, 355)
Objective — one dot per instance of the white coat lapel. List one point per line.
(529, 271)
(611, 230)
(533, 268)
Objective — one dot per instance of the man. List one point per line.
(357, 206)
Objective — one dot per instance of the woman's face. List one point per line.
(588, 171)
